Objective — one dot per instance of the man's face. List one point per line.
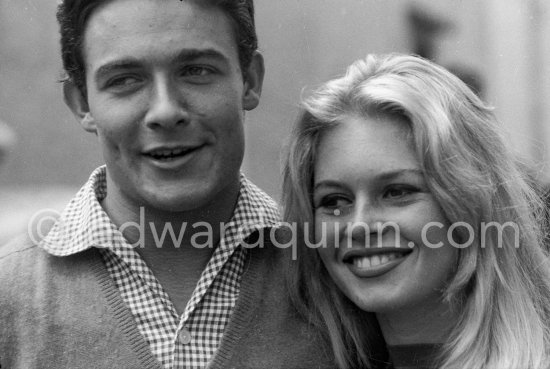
(166, 98)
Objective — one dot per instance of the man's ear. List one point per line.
(253, 81)
(79, 106)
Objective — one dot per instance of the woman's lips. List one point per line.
(369, 263)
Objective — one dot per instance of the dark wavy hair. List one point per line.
(72, 16)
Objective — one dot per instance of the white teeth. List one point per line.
(375, 260)
(167, 153)
(362, 262)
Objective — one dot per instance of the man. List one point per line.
(147, 266)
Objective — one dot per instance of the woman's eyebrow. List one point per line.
(393, 174)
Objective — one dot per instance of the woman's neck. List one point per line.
(428, 323)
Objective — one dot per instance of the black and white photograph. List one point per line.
(285, 184)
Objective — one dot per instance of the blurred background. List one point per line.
(500, 47)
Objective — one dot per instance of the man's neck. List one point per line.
(176, 246)
(162, 231)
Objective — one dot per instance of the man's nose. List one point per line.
(167, 105)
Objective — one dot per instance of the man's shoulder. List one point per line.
(19, 260)
(17, 246)
(26, 269)
(272, 246)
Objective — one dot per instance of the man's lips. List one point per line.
(170, 152)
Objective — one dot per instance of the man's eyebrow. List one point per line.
(110, 67)
(186, 55)
(193, 54)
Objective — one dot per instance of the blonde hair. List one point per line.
(501, 290)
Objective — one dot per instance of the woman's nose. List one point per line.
(364, 223)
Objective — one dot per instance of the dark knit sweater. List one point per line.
(66, 312)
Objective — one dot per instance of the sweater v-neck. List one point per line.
(121, 312)
(242, 313)
(66, 312)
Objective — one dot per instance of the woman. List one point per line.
(411, 205)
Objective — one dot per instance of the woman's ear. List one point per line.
(79, 106)
(253, 81)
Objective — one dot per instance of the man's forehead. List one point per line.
(149, 30)
(101, 4)
(109, 14)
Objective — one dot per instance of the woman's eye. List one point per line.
(398, 192)
(334, 205)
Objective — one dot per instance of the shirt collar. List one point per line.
(84, 224)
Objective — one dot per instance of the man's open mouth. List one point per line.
(169, 154)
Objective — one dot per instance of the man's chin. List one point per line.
(178, 203)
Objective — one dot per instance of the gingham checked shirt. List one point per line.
(189, 340)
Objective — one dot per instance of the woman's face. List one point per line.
(383, 235)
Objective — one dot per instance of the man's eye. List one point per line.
(122, 82)
(197, 71)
